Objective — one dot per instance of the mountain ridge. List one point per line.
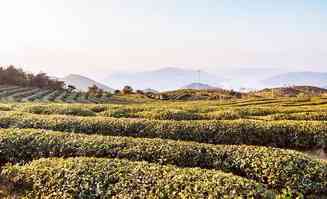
(82, 82)
(199, 86)
(318, 79)
(167, 78)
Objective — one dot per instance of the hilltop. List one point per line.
(82, 83)
(169, 78)
(292, 91)
(199, 86)
(297, 78)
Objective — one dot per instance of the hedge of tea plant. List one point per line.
(5, 107)
(163, 111)
(62, 109)
(319, 116)
(112, 178)
(276, 168)
(284, 134)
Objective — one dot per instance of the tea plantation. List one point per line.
(245, 148)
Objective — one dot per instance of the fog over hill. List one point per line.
(199, 86)
(82, 83)
(169, 78)
(172, 78)
(297, 78)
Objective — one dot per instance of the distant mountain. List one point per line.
(150, 90)
(163, 79)
(82, 83)
(199, 86)
(292, 91)
(297, 78)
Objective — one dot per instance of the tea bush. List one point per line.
(319, 116)
(283, 134)
(277, 168)
(110, 178)
(170, 115)
(58, 109)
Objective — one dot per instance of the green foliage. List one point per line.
(170, 115)
(13, 76)
(319, 116)
(269, 166)
(5, 107)
(60, 109)
(284, 134)
(95, 91)
(117, 113)
(127, 90)
(109, 178)
(235, 125)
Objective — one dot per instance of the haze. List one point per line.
(99, 37)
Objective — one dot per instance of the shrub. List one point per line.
(4, 107)
(121, 112)
(109, 178)
(127, 90)
(319, 116)
(170, 115)
(117, 113)
(277, 168)
(140, 92)
(222, 115)
(284, 134)
(58, 109)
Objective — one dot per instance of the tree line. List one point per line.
(11, 75)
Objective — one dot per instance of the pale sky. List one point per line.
(96, 37)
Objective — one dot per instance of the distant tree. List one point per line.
(127, 90)
(92, 90)
(56, 84)
(99, 93)
(71, 88)
(40, 80)
(13, 76)
(95, 91)
(116, 92)
(107, 94)
(301, 95)
(163, 96)
(140, 92)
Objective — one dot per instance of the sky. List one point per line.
(98, 37)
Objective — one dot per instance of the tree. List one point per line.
(92, 90)
(95, 91)
(140, 92)
(13, 76)
(127, 90)
(99, 93)
(40, 80)
(71, 88)
(56, 84)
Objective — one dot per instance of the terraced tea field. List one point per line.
(248, 148)
(27, 94)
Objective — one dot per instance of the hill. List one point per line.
(150, 90)
(163, 79)
(292, 91)
(82, 83)
(297, 78)
(199, 86)
(195, 94)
